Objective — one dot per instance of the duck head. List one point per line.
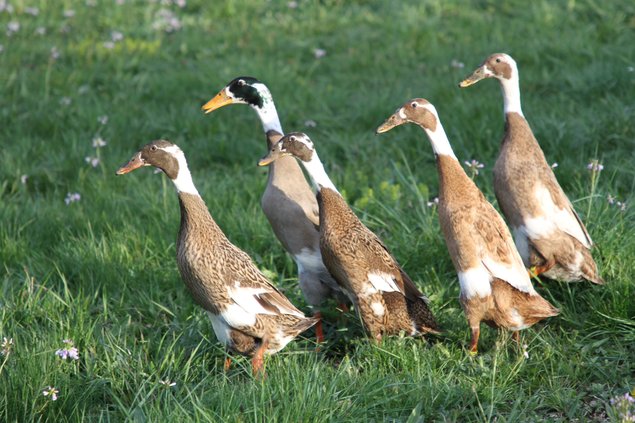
(160, 154)
(241, 90)
(296, 144)
(499, 65)
(418, 111)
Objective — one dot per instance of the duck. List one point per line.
(549, 234)
(249, 315)
(495, 287)
(288, 201)
(386, 299)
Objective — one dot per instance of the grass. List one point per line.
(102, 272)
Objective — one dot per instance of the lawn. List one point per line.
(90, 257)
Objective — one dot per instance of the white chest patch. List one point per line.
(221, 329)
(475, 282)
(381, 282)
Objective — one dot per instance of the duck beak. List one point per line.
(391, 122)
(221, 99)
(135, 163)
(476, 76)
(273, 155)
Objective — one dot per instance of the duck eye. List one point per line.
(292, 138)
(153, 148)
(414, 104)
(241, 82)
(498, 60)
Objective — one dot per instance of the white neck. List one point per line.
(439, 140)
(318, 175)
(269, 116)
(183, 181)
(511, 94)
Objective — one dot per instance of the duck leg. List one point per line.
(476, 331)
(516, 336)
(257, 361)
(319, 332)
(228, 364)
(343, 308)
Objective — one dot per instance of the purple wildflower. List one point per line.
(51, 392)
(595, 166)
(69, 351)
(72, 197)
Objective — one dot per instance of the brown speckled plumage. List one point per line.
(222, 278)
(288, 201)
(353, 254)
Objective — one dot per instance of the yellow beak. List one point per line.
(221, 99)
(476, 76)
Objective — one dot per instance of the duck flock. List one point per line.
(339, 258)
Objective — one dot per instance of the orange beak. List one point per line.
(135, 163)
(221, 99)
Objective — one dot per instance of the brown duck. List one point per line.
(549, 235)
(387, 300)
(288, 201)
(495, 287)
(249, 315)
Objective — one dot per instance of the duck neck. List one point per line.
(268, 115)
(318, 175)
(183, 181)
(439, 140)
(511, 95)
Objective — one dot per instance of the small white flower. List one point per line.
(99, 142)
(55, 53)
(319, 53)
(93, 161)
(33, 11)
(24, 178)
(91, 3)
(434, 202)
(167, 383)
(120, 2)
(13, 27)
(65, 101)
(116, 36)
(6, 345)
(83, 89)
(6, 7)
(631, 68)
(610, 199)
(292, 5)
(109, 45)
(595, 166)
(310, 123)
(40, 30)
(456, 64)
(554, 165)
(1, 48)
(180, 3)
(51, 392)
(102, 119)
(525, 352)
(72, 197)
(69, 13)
